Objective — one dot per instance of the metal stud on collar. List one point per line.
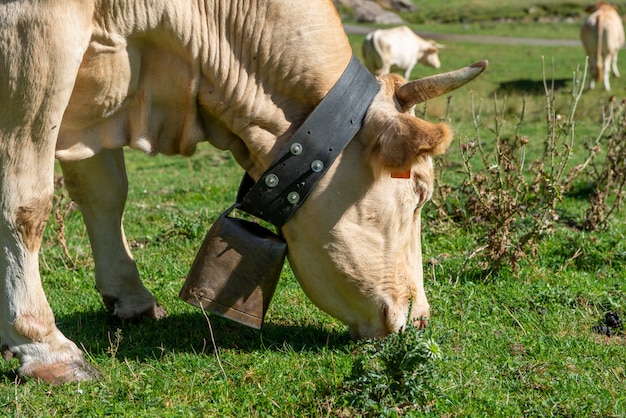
(271, 180)
(295, 148)
(317, 166)
(293, 198)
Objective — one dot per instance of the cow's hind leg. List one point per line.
(614, 64)
(595, 71)
(606, 72)
(99, 186)
(39, 58)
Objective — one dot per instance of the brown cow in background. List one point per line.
(602, 36)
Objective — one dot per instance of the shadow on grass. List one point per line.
(531, 87)
(582, 191)
(145, 340)
(189, 333)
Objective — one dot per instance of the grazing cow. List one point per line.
(602, 36)
(399, 47)
(80, 79)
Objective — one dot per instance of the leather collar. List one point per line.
(285, 185)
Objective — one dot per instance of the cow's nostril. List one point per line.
(421, 322)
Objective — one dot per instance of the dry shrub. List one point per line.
(609, 174)
(509, 202)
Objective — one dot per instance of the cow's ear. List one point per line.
(397, 140)
(435, 47)
(404, 139)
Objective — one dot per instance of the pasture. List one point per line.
(513, 342)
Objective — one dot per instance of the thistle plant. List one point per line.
(392, 375)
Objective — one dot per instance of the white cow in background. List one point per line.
(400, 47)
(602, 36)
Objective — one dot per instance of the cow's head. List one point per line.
(430, 55)
(355, 243)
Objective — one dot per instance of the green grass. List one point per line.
(485, 10)
(516, 343)
(542, 30)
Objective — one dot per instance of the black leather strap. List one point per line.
(305, 159)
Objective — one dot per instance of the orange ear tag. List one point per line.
(402, 175)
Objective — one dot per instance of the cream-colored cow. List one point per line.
(602, 36)
(80, 79)
(398, 47)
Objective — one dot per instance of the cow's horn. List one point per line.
(419, 91)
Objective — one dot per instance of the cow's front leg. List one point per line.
(27, 326)
(99, 186)
(40, 53)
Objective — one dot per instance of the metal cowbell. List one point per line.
(236, 270)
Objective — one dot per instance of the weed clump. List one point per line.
(392, 375)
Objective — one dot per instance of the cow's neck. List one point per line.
(266, 65)
(274, 74)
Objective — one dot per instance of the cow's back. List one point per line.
(613, 29)
(398, 44)
(384, 48)
(602, 35)
(602, 31)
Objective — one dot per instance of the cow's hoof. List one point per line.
(156, 311)
(57, 373)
